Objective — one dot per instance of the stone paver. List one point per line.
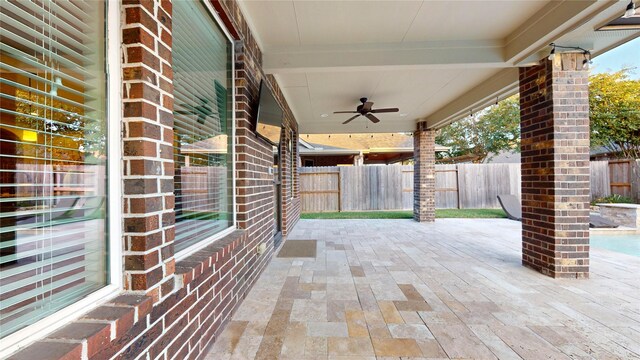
(396, 289)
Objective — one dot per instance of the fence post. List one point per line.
(339, 190)
(457, 186)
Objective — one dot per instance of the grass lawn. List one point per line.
(440, 213)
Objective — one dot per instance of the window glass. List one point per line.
(53, 228)
(202, 125)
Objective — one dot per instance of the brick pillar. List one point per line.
(554, 112)
(148, 147)
(424, 174)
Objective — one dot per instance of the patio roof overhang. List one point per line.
(435, 60)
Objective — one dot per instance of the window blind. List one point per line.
(202, 125)
(53, 157)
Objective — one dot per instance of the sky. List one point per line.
(624, 56)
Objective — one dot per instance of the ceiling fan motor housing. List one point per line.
(365, 109)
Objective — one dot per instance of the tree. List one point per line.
(614, 109)
(492, 130)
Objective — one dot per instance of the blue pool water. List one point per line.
(628, 244)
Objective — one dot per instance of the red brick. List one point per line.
(142, 90)
(141, 224)
(138, 35)
(140, 109)
(141, 262)
(145, 242)
(97, 335)
(140, 148)
(135, 15)
(147, 204)
(146, 280)
(123, 317)
(46, 350)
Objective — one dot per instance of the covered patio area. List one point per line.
(451, 289)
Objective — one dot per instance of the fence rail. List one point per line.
(362, 188)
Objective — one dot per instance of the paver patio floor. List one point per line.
(396, 289)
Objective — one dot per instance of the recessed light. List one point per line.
(324, 115)
(403, 114)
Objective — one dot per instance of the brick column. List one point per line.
(554, 112)
(424, 174)
(148, 147)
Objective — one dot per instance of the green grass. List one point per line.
(440, 213)
(471, 213)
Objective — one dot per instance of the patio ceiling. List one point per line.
(435, 60)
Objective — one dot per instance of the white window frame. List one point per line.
(23, 337)
(180, 255)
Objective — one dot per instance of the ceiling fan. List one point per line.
(366, 110)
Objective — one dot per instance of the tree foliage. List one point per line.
(492, 130)
(614, 111)
(614, 106)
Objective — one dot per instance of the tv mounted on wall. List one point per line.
(270, 114)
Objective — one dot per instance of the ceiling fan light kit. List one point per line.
(365, 109)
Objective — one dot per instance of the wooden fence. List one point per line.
(465, 186)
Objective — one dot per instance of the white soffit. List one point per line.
(435, 60)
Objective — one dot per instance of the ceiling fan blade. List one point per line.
(386, 110)
(366, 107)
(348, 121)
(345, 112)
(372, 118)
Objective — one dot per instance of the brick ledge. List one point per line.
(93, 332)
(208, 260)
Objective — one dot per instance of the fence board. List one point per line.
(599, 178)
(635, 180)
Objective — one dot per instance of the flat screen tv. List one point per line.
(269, 118)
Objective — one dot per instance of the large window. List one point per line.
(202, 125)
(53, 230)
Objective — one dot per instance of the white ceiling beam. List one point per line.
(502, 85)
(548, 24)
(485, 54)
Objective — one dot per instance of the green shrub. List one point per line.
(613, 199)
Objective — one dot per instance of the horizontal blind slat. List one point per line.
(33, 61)
(56, 21)
(46, 94)
(43, 50)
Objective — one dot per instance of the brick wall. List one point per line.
(291, 204)
(147, 148)
(554, 112)
(174, 310)
(424, 174)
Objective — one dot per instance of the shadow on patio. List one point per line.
(451, 289)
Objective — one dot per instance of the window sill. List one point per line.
(94, 333)
(186, 253)
(203, 263)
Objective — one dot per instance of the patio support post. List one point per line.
(424, 171)
(554, 113)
